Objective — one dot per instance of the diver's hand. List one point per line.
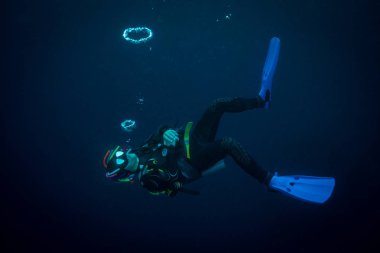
(170, 138)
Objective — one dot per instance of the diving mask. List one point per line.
(118, 166)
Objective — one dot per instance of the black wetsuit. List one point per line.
(162, 167)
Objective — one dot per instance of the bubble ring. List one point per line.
(128, 125)
(137, 30)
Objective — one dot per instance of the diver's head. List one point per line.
(120, 164)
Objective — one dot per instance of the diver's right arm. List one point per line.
(165, 135)
(170, 138)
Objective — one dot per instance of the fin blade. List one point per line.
(306, 188)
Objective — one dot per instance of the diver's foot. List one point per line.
(268, 178)
(264, 101)
(267, 181)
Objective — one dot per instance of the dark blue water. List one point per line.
(70, 79)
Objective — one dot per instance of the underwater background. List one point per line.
(69, 79)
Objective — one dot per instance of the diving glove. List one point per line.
(170, 138)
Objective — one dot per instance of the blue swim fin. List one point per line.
(268, 71)
(306, 188)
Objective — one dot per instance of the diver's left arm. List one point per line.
(159, 182)
(165, 178)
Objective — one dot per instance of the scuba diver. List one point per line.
(172, 158)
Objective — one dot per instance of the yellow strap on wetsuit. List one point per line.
(186, 138)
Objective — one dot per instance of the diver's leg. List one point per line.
(218, 150)
(206, 128)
